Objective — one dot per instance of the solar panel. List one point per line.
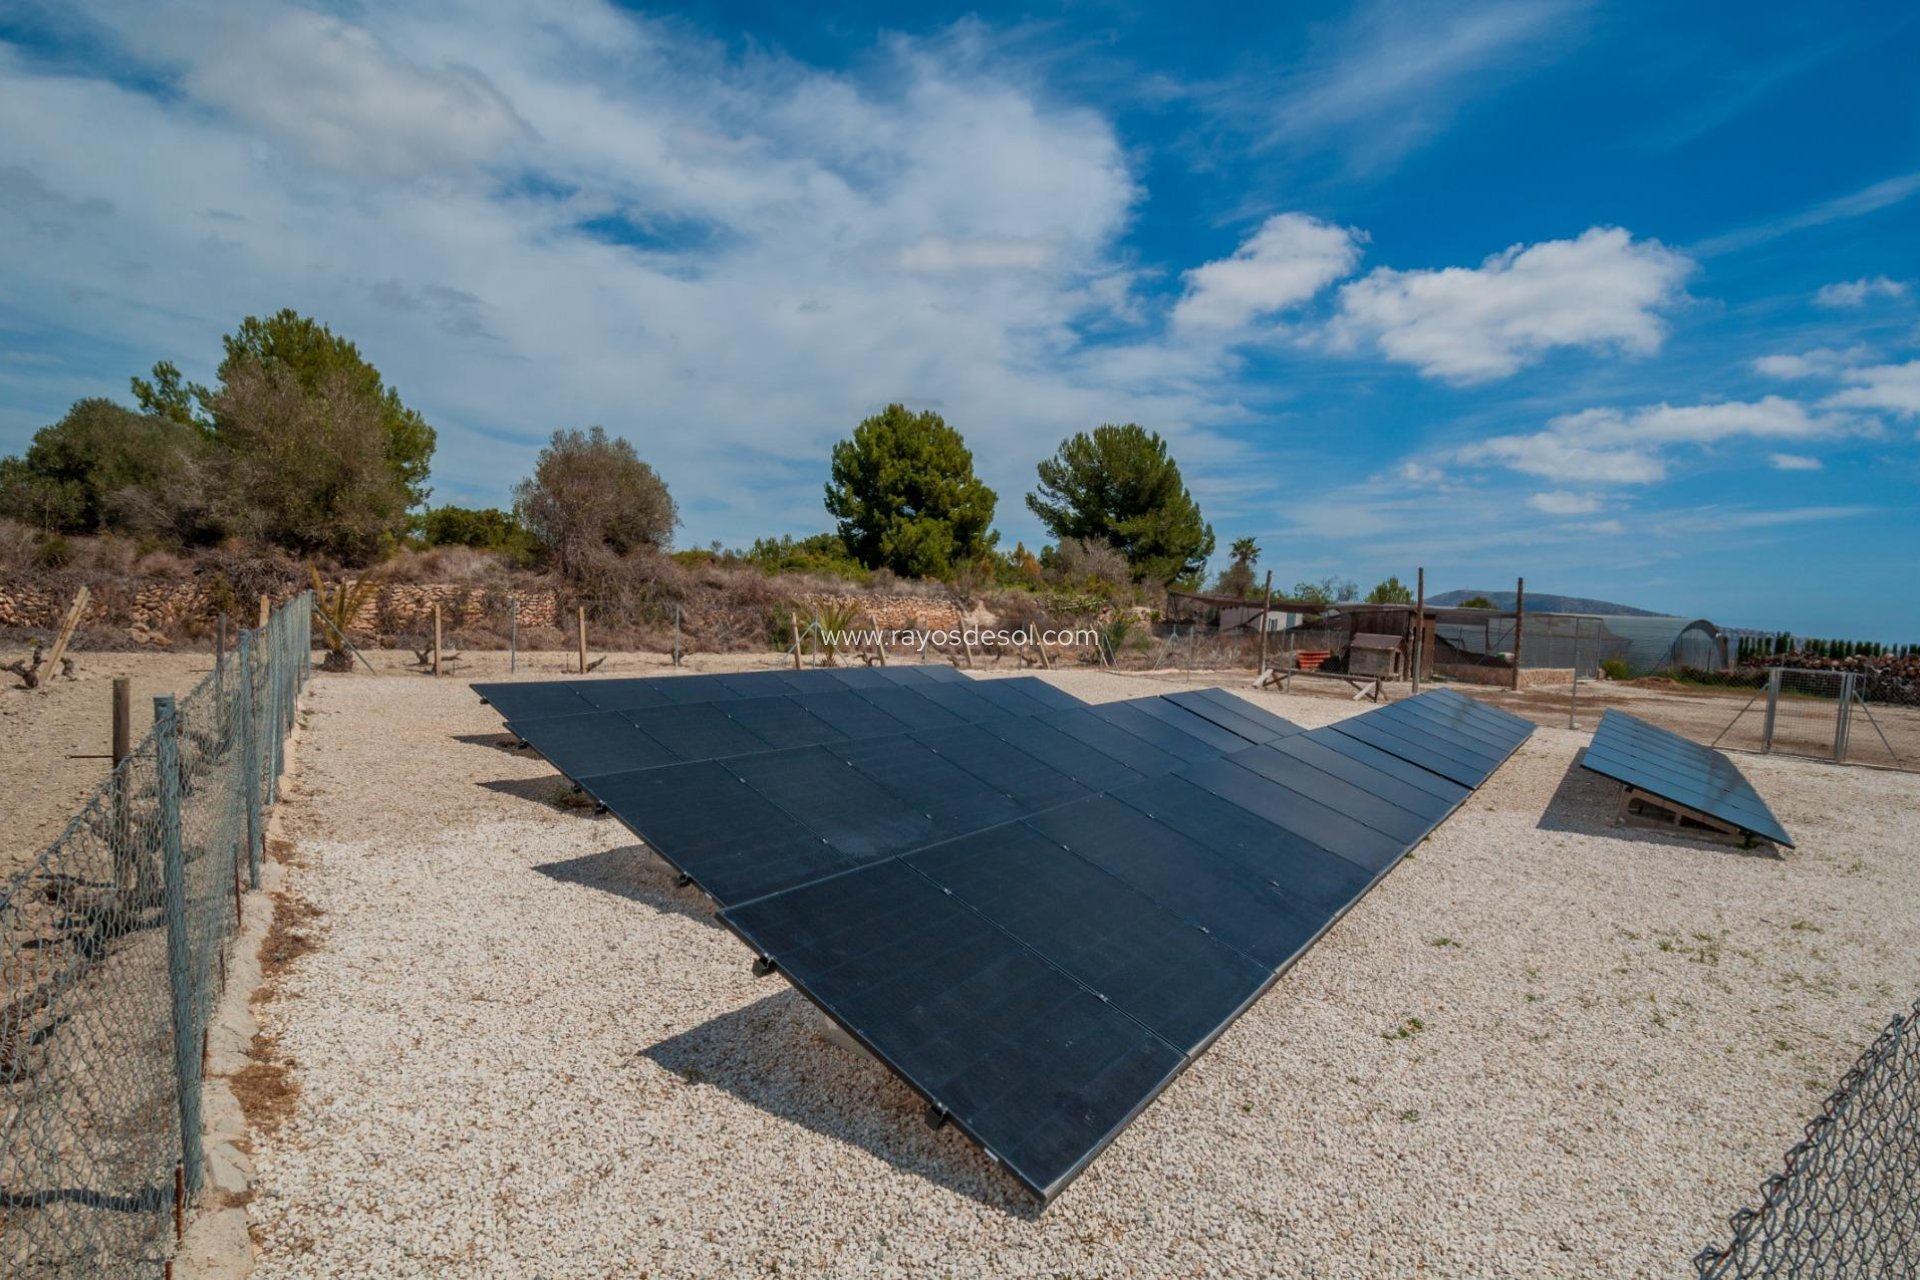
(1669, 767)
(1440, 739)
(597, 742)
(1036, 916)
(1255, 724)
(528, 701)
(1027, 1061)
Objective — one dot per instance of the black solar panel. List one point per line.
(1670, 767)
(1255, 724)
(1436, 733)
(1035, 916)
(1026, 1060)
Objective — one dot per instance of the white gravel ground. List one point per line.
(523, 1052)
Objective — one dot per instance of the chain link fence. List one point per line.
(113, 947)
(1848, 1202)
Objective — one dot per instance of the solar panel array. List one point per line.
(1670, 767)
(1038, 920)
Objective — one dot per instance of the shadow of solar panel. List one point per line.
(952, 799)
(1193, 725)
(532, 701)
(1091, 768)
(1175, 978)
(1255, 724)
(779, 722)
(694, 731)
(1269, 922)
(1028, 1062)
(1278, 857)
(597, 742)
(1670, 767)
(1154, 732)
(1293, 807)
(732, 842)
(835, 801)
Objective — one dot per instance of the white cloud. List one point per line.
(1795, 462)
(1631, 446)
(1552, 456)
(1854, 293)
(1561, 502)
(1602, 290)
(1289, 260)
(1894, 388)
(1388, 77)
(1820, 362)
(730, 260)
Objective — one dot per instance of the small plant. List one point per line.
(336, 612)
(1113, 635)
(1410, 1115)
(1442, 942)
(833, 623)
(1616, 669)
(1406, 1030)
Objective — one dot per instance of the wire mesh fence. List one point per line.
(113, 947)
(1847, 1204)
(1824, 714)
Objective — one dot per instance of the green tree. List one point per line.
(905, 495)
(1119, 485)
(1390, 592)
(105, 469)
(1237, 578)
(1329, 590)
(320, 362)
(1478, 602)
(488, 528)
(591, 498)
(168, 396)
(307, 466)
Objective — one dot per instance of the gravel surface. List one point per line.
(1544, 1046)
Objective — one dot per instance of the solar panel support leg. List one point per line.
(682, 880)
(764, 965)
(936, 1116)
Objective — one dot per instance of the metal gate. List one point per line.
(1821, 715)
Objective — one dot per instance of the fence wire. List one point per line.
(113, 947)
(1848, 1202)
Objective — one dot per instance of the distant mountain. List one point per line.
(1542, 602)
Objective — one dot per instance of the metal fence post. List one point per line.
(186, 1036)
(274, 696)
(249, 760)
(513, 634)
(1843, 718)
(1773, 705)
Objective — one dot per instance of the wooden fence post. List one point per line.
(580, 613)
(436, 637)
(67, 627)
(793, 618)
(1419, 627)
(1266, 608)
(266, 608)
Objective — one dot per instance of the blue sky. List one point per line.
(1621, 297)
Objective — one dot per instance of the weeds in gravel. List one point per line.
(1407, 1030)
(568, 799)
(1443, 941)
(1410, 1115)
